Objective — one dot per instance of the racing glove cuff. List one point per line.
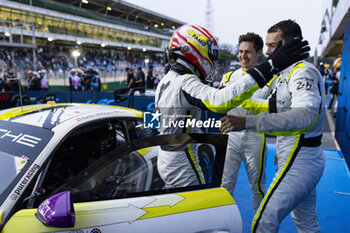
(262, 73)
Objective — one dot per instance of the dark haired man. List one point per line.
(248, 146)
(11, 82)
(130, 78)
(140, 77)
(294, 113)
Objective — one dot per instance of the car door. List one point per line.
(123, 192)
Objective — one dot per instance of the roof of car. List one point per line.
(51, 115)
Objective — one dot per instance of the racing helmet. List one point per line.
(337, 63)
(195, 45)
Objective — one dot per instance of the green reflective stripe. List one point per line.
(255, 107)
(233, 103)
(243, 72)
(269, 83)
(227, 76)
(276, 182)
(189, 147)
(261, 164)
(300, 65)
(290, 132)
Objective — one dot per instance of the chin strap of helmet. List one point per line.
(180, 64)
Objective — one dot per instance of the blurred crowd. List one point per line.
(59, 60)
(139, 79)
(331, 76)
(92, 66)
(84, 80)
(34, 80)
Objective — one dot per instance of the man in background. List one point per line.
(245, 145)
(130, 78)
(150, 78)
(140, 77)
(11, 83)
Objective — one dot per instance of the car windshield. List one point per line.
(20, 144)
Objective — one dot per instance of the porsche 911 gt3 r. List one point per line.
(92, 168)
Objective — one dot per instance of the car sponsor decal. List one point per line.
(97, 114)
(20, 162)
(95, 230)
(24, 182)
(137, 113)
(22, 139)
(191, 201)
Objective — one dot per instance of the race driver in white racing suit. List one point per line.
(247, 145)
(295, 114)
(182, 92)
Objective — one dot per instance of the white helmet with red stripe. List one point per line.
(196, 45)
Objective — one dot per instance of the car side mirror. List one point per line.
(57, 211)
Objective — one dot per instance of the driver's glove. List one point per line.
(283, 56)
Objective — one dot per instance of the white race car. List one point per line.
(93, 169)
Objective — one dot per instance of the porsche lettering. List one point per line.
(24, 139)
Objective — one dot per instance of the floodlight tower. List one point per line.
(209, 19)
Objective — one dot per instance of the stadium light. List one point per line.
(50, 39)
(162, 24)
(103, 45)
(7, 34)
(76, 54)
(156, 25)
(79, 42)
(85, 1)
(129, 48)
(109, 8)
(144, 49)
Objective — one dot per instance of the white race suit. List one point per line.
(179, 99)
(246, 145)
(295, 113)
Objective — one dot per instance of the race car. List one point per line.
(88, 168)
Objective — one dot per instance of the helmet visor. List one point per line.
(213, 51)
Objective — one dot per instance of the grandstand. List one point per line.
(109, 35)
